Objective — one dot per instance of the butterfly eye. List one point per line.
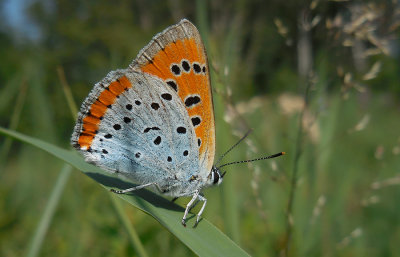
(216, 177)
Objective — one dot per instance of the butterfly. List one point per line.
(153, 123)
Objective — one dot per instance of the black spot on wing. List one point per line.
(196, 121)
(176, 70)
(186, 65)
(157, 141)
(166, 96)
(181, 130)
(172, 84)
(196, 68)
(150, 128)
(155, 106)
(192, 100)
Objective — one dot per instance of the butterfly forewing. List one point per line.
(178, 57)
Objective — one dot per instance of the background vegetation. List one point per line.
(317, 79)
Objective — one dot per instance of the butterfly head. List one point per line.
(215, 177)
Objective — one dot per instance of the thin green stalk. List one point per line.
(294, 175)
(133, 236)
(15, 118)
(9, 89)
(67, 92)
(47, 217)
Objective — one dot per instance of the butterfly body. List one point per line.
(153, 122)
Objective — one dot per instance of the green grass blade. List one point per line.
(47, 217)
(133, 236)
(205, 240)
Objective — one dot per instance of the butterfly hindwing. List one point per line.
(178, 57)
(132, 124)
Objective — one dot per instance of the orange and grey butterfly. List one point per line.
(153, 123)
(177, 56)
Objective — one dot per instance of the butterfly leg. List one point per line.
(194, 204)
(188, 207)
(132, 188)
(201, 198)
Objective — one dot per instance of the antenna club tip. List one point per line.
(283, 153)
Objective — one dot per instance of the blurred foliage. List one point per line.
(334, 64)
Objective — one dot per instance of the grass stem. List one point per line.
(294, 175)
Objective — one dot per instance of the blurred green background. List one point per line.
(316, 79)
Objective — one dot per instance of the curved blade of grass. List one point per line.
(204, 240)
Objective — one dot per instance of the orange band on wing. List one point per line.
(98, 109)
(106, 97)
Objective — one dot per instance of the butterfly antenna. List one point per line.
(230, 149)
(253, 160)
